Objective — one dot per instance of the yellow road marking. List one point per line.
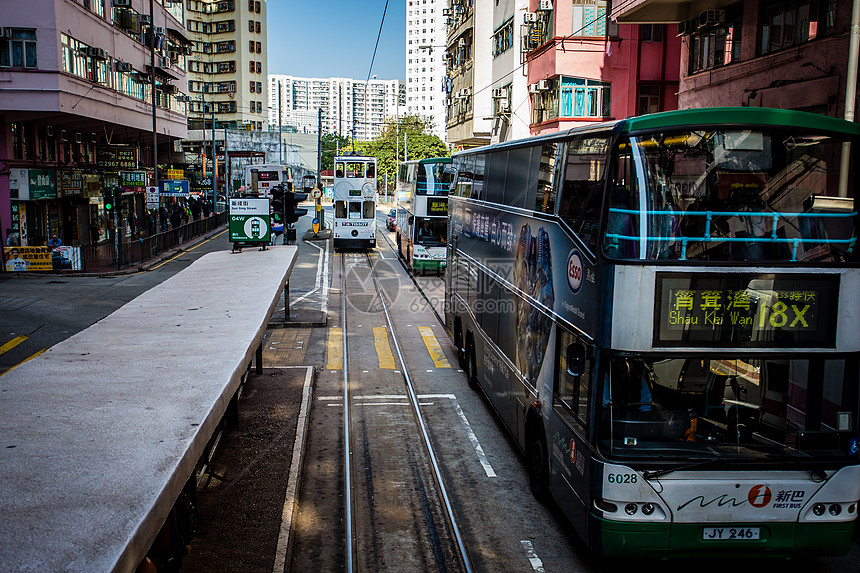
(335, 349)
(383, 349)
(23, 361)
(12, 344)
(433, 347)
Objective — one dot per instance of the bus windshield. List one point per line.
(733, 195)
(434, 178)
(430, 231)
(733, 407)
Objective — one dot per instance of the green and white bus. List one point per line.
(663, 310)
(422, 212)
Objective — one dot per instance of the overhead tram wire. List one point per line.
(370, 70)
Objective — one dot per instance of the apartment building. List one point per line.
(788, 55)
(510, 96)
(425, 61)
(468, 60)
(227, 67)
(355, 108)
(583, 67)
(76, 110)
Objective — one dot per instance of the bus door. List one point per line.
(568, 449)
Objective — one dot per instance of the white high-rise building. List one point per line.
(425, 61)
(354, 108)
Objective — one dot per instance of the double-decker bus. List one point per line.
(422, 212)
(260, 179)
(663, 310)
(354, 202)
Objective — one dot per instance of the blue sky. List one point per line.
(335, 38)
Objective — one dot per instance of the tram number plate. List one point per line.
(727, 533)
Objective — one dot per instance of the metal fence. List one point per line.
(102, 256)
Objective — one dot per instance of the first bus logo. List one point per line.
(759, 496)
(574, 271)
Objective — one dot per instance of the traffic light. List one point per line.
(277, 204)
(291, 210)
(108, 199)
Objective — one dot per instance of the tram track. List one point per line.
(372, 521)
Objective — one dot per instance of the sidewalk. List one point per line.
(97, 268)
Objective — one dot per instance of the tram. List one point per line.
(422, 212)
(354, 202)
(260, 179)
(663, 312)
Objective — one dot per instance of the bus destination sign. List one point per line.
(437, 207)
(750, 310)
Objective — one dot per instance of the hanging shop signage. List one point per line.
(92, 186)
(249, 220)
(42, 183)
(173, 188)
(117, 157)
(175, 174)
(132, 178)
(203, 184)
(71, 182)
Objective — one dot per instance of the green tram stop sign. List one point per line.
(250, 220)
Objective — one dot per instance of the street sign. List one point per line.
(316, 193)
(173, 188)
(152, 197)
(250, 220)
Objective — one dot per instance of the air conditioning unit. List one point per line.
(167, 88)
(446, 11)
(159, 30)
(467, 92)
(710, 18)
(123, 66)
(78, 138)
(504, 106)
(64, 135)
(685, 27)
(186, 50)
(146, 19)
(543, 85)
(545, 6)
(97, 53)
(121, 3)
(499, 93)
(94, 138)
(529, 17)
(448, 102)
(173, 55)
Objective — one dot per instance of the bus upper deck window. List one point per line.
(338, 170)
(371, 170)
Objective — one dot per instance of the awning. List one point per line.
(179, 35)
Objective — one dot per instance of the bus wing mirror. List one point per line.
(575, 359)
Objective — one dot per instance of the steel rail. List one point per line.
(346, 421)
(428, 446)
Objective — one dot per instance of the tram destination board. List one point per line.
(751, 310)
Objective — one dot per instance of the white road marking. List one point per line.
(292, 483)
(537, 564)
(479, 450)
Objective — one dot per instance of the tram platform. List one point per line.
(101, 432)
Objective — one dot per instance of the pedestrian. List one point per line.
(176, 216)
(163, 217)
(55, 242)
(95, 232)
(12, 238)
(206, 208)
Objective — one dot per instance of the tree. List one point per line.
(331, 143)
(388, 147)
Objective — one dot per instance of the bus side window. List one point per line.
(478, 177)
(545, 198)
(338, 170)
(340, 209)
(582, 187)
(573, 380)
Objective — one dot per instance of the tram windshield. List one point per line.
(733, 407)
(733, 195)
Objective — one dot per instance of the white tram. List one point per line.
(354, 202)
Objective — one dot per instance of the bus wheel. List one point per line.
(538, 467)
(471, 365)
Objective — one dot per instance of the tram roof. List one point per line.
(702, 117)
(354, 158)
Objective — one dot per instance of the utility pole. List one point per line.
(214, 155)
(153, 41)
(318, 202)
(280, 129)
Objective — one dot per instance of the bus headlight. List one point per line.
(633, 511)
(818, 509)
(630, 509)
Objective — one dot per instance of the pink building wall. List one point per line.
(623, 61)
